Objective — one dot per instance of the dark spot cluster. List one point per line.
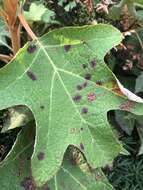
(91, 97)
(41, 156)
(67, 48)
(31, 75)
(31, 49)
(28, 184)
(77, 98)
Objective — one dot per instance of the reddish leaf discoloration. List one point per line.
(127, 106)
(91, 97)
(117, 91)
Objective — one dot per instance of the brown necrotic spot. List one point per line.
(99, 82)
(88, 76)
(31, 49)
(31, 75)
(85, 84)
(81, 146)
(128, 106)
(41, 156)
(93, 64)
(91, 96)
(67, 47)
(28, 184)
(76, 98)
(79, 87)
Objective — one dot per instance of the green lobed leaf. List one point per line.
(17, 169)
(70, 176)
(64, 81)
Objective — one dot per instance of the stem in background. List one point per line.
(5, 58)
(15, 38)
(27, 27)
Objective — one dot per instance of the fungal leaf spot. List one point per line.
(84, 110)
(93, 64)
(91, 96)
(88, 76)
(31, 49)
(67, 47)
(81, 146)
(31, 75)
(41, 156)
(28, 183)
(77, 98)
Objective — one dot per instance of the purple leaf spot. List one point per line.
(31, 75)
(87, 76)
(81, 146)
(41, 156)
(84, 110)
(67, 47)
(27, 183)
(91, 97)
(77, 98)
(31, 49)
(93, 64)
